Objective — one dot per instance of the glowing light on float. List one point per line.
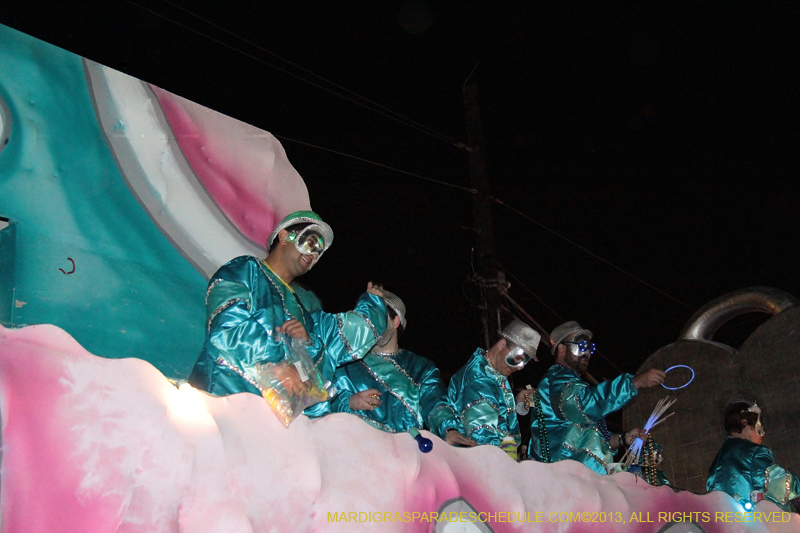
(185, 404)
(634, 452)
(684, 385)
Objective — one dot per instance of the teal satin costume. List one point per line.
(742, 466)
(484, 401)
(246, 301)
(573, 413)
(412, 393)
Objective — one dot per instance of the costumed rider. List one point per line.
(395, 389)
(250, 302)
(481, 393)
(744, 468)
(568, 418)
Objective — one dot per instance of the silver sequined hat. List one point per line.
(524, 336)
(397, 305)
(565, 330)
(298, 217)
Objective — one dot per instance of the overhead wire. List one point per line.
(357, 158)
(530, 291)
(520, 310)
(388, 113)
(609, 361)
(365, 102)
(584, 249)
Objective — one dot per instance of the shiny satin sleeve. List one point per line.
(242, 336)
(780, 485)
(777, 484)
(759, 461)
(438, 414)
(349, 336)
(373, 309)
(341, 402)
(575, 400)
(481, 414)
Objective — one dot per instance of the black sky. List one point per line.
(662, 137)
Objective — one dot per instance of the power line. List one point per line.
(382, 110)
(609, 263)
(531, 292)
(439, 182)
(609, 361)
(472, 191)
(370, 104)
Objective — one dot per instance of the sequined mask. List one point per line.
(309, 241)
(760, 427)
(580, 346)
(516, 358)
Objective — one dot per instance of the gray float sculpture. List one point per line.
(766, 368)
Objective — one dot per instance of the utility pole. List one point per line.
(485, 261)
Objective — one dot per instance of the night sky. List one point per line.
(662, 138)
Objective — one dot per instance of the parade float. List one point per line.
(118, 201)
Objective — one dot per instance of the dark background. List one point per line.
(663, 138)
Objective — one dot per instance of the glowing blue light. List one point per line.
(748, 506)
(682, 386)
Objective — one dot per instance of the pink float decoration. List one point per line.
(102, 445)
(244, 169)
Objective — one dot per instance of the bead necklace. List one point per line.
(650, 463)
(601, 425)
(543, 440)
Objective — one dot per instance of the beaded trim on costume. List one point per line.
(580, 410)
(593, 456)
(402, 400)
(473, 429)
(403, 371)
(593, 427)
(375, 423)
(788, 488)
(339, 326)
(211, 288)
(441, 406)
(386, 355)
(222, 362)
(766, 479)
(222, 308)
(371, 326)
(321, 355)
(470, 405)
(558, 409)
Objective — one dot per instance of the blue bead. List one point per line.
(425, 445)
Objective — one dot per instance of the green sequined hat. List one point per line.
(298, 217)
